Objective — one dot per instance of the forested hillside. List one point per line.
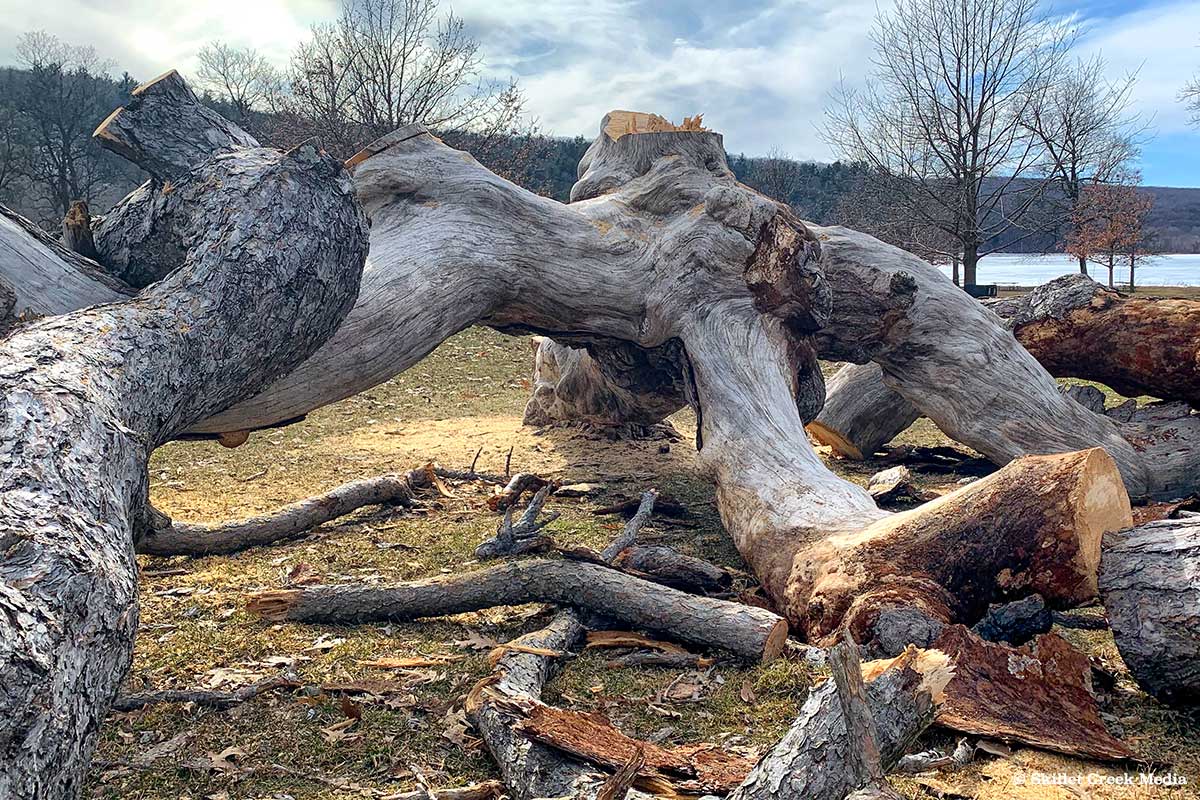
(48, 159)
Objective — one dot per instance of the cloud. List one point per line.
(759, 70)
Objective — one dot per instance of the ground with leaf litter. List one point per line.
(377, 709)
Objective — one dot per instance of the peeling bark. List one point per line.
(85, 397)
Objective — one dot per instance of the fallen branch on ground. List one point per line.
(752, 633)
(202, 697)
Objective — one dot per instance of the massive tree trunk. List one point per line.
(85, 397)
(661, 249)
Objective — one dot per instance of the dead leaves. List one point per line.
(457, 730)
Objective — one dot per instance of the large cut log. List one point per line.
(842, 424)
(85, 397)
(752, 633)
(1150, 586)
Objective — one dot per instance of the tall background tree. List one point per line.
(1108, 225)
(940, 120)
(241, 79)
(65, 93)
(1087, 135)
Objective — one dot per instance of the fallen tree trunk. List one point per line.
(85, 397)
(47, 278)
(163, 536)
(1074, 327)
(1150, 587)
(652, 211)
(752, 633)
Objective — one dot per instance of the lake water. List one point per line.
(1027, 269)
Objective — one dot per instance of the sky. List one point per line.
(759, 70)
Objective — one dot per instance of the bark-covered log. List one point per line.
(1150, 586)
(173, 132)
(85, 397)
(1138, 345)
(668, 566)
(864, 761)
(752, 633)
(808, 761)
(162, 536)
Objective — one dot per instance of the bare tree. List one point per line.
(776, 175)
(1108, 223)
(67, 94)
(943, 112)
(387, 63)
(869, 206)
(1086, 132)
(239, 77)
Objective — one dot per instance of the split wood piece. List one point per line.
(523, 536)
(1150, 587)
(517, 486)
(202, 697)
(894, 484)
(47, 278)
(752, 633)
(862, 762)
(665, 505)
(1016, 622)
(1037, 695)
(77, 231)
(810, 760)
(530, 770)
(86, 396)
(692, 769)
(620, 782)
(163, 536)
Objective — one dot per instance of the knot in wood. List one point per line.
(785, 276)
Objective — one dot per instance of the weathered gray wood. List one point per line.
(841, 423)
(166, 537)
(810, 759)
(752, 633)
(1150, 587)
(85, 397)
(45, 277)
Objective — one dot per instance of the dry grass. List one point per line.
(467, 395)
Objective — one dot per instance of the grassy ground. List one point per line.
(465, 397)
